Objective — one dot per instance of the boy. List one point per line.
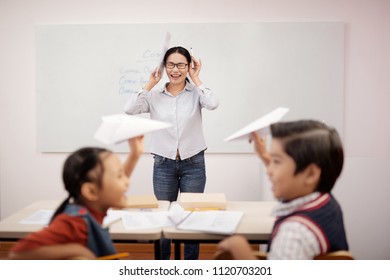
(306, 158)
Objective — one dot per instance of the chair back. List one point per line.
(337, 255)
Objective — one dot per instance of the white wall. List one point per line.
(27, 176)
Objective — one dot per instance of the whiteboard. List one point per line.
(87, 71)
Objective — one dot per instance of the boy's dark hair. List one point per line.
(77, 170)
(310, 141)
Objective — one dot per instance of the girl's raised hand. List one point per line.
(136, 145)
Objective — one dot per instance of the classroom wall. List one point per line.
(27, 175)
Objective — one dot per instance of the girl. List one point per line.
(178, 151)
(95, 180)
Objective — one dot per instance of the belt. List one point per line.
(178, 156)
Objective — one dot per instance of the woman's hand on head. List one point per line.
(194, 72)
(154, 78)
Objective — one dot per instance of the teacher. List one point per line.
(179, 150)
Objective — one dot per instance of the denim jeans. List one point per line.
(170, 177)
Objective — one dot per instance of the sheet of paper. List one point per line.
(41, 217)
(112, 217)
(261, 125)
(146, 220)
(121, 127)
(177, 213)
(167, 42)
(221, 222)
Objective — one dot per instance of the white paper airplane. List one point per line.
(121, 127)
(167, 41)
(261, 125)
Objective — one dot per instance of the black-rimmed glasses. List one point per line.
(171, 65)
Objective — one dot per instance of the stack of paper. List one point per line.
(142, 201)
(167, 41)
(121, 127)
(202, 201)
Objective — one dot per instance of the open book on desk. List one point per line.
(209, 221)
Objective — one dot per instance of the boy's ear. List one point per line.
(89, 191)
(313, 174)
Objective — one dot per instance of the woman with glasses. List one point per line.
(179, 150)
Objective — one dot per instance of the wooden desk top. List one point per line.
(256, 223)
(10, 228)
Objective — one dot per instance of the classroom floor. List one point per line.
(137, 251)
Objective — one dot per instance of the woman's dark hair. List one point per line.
(77, 171)
(181, 51)
(310, 141)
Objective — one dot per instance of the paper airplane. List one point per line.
(167, 41)
(121, 127)
(261, 125)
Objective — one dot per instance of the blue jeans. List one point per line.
(170, 177)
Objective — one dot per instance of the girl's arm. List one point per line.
(136, 149)
(54, 252)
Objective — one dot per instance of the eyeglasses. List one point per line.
(171, 65)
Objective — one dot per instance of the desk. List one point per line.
(12, 230)
(256, 225)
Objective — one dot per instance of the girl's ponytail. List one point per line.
(77, 171)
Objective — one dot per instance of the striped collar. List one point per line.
(306, 202)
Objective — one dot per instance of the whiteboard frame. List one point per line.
(252, 68)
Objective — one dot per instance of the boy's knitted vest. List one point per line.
(99, 240)
(323, 216)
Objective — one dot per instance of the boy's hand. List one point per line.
(260, 147)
